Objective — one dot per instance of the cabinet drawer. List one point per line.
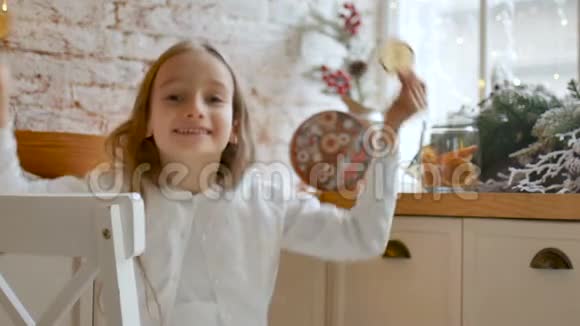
(422, 290)
(500, 286)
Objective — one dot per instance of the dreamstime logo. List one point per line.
(271, 180)
(380, 140)
(268, 181)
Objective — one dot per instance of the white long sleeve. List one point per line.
(12, 179)
(326, 231)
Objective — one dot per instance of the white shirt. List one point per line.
(214, 262)
(196, 299)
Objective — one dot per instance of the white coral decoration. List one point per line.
(534, 177)
(573, 164)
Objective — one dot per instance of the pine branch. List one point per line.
(573, 89)
(506, 121)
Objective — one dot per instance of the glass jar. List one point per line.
(450, 158)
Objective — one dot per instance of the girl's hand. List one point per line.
(4, 96)
(411, 100)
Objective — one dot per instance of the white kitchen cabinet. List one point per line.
(423, 290)
(500, 287)
(462, 271)
(300, 295)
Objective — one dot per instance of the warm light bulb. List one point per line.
(481, 83)
(4, 21)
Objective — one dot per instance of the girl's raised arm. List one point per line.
(12, 179)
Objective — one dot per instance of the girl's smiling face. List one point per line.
(192, 108)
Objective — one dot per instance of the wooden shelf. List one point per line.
(495, 205)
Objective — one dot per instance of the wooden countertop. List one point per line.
(496, 205)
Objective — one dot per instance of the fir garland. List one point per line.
(506, 121)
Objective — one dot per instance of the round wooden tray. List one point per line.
(327, 151)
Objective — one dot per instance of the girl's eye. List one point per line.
(215, 99)
(174, 98)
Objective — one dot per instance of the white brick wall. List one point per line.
(76, 64)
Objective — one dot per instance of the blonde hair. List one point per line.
(129, 145)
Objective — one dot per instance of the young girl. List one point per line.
(214, 261)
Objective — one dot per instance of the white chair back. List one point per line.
(106, 233)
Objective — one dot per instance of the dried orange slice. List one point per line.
(428, 155)
(396, 56)
(465, 153)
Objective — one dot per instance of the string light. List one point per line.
(4, 6)
(556, 76)
(481, 83)
(517, 82)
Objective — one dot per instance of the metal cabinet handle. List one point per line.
(551, 258)
(397, 249)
